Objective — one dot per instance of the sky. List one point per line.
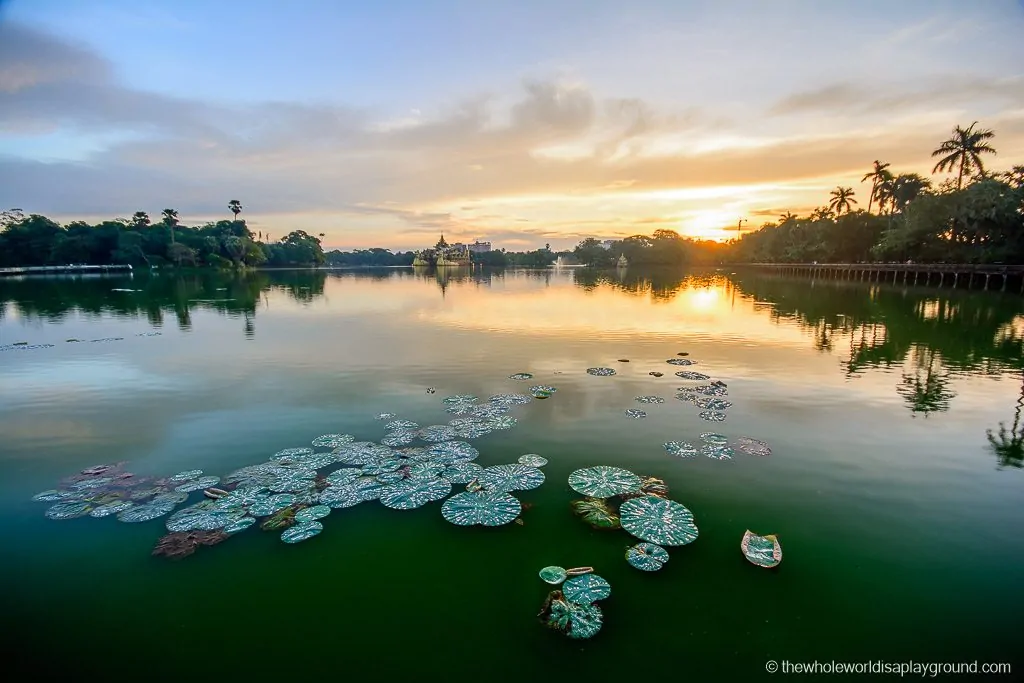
(526, 122)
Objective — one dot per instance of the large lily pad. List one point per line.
(343, 496)
(333, 440)
(69, 510)
(375, 468)
(462, 472)
(753, 446)
(553, 575)
(188, 475)
(510, 399)
(345, 475)
(520, 376)
(301, 532)
(451, 452)
(532, 460)
(460, 399)
(681, 449)
(600, 372)
(426, 469)
(401, 438)
(413, 493)
(576, 621)
(681, 361)
(311, 514)
(712, 416)
(111, 508)
(401, 425)
(472, 429)
(603, 481)
(487, 411)
(647, 557)
(695, 376)
(271, 504)
(240, 524)
(502, 422)
(586, 589)
(144, 513)
(635, 413)
(486, 507)
(436, 433)
(542, 390)
(197, 484)
(289, 452)
(717, 451)
(712, 403)
(50, 496)
(390, 477)
(714, 438)
(204, 516)
(657, 520)
(514, 477)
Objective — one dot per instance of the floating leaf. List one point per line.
(425, 470)
(301, 532)
(681, 361)
(111, 508)
(344, 496)
(532, 460)
(553, 575)
(688, 374)
(596, 512)
(681, 449)
(462, 472)
(272, 504)
(753, 446)
(712, 403)
(502, 422)
(243, 496)
(521, 375)
(635, 413)
(486, 411)
(514, 477)
(169, 498)
(381, 467)
(390, 477)
(576, 621)
(600, 372)
(603, 481)
(542, 389)
(717, 451)
(413, 493)
(370, 487)
(586, 589)
(401, 425)
(435, 433)
(186, 476)
(488, 508)
(649, 399)
(657, 520)
(50, 496)
(239, 525)
(345, 475)
(401, 438)
(472, 430)
(204, 516)
(290, 452)
(333, 440)
(460, 409)
(510, 399)
(311, 514)
(144, 513)
(714, 438)
(647, 557)
(384, 416)
(712, 416)
(363, 453)
(68, 510)
(764, 551)
(451, 452)
(197, 484)
(459, 399)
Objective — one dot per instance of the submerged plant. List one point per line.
(596, 512)
(179, 544)
(574, 620)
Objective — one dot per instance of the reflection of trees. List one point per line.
(660, 284)
(926, 390)
(1008, 444)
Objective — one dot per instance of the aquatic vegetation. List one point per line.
(574, 620)
(272, 504)
(596, 512)
(521, 376)
(532, 460)
(425, 470)
(751, 446)
(197, 484)
(488, 508)
(144, 513)
(717, 451)
(711, 416)
(714, 438)
(657, 520)
(376, 468)
(462, 472)
(681, 449)
(553, 575)
(385, 416)
(343, 496)
(435, 433)
(49, 496)
(586, 589)
(635, 413)
(390, 477)
(301, 532)
(649, 399)
(414, 493)
(501, 422)
(68, 510)
(681, 361)
(542, 390)
(460, 399)
(282, 519)
(110, 508)
(647, 557)
(311, 514)
(401, 425)
(764, 551)
(486, 411)
(369, 487)
(472, 429)
(514, 477)
(185, 476)
(240, 524)
(649, 486)
(689, 374)
(203, 516)
(600, 372)
(603, 481)
(400, 438)
(451, 452)
(510, 399)
(333, 440)
(291, 452)
(711, 403)
(345, 475)
(177, 545)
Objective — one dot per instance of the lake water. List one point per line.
(900, 523)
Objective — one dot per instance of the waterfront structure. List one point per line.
(443, 255)
(479, 247)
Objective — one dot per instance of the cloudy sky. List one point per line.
(524, 122)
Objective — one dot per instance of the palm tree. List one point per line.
(140, 219)
(822, 213)
(964, 150)
(170, 220)
(885, 193)
(1015, 176)
(236, 207)
(876, 176)
(786, 217)
(905, 188)
(842, 200)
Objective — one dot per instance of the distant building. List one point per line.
(479, 247)
(443, 254)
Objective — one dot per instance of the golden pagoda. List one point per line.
(443, 255)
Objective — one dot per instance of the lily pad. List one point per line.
(647, 557)
(510, 399)
(426, 470)
(333, 440)
(487, 508)
(649, 399)
(401, 425)
(240, 524)
(462, 472)
(553, 575)
(657, 520)
(144, 513)
(375, 468)
(390, 477)
(532, 460)
(764, 551)
(311, 514)
(343, 496)
(460, 399)
(204, 516)
(600, 372)
(289, 452)
(521, 376)
(384, 416)
(753, 446)
(272, 504)
(51, 496)
(111, 508)
(472, 430)
(502, 422)
(401, 438)
(301, 532)
(186, 476)
(345, 475)
(681, 449)
(712, 416)
(514, 477)
(586, 589)
(714, 438)
(414, 493)
(712, 403)
(576, 621)
(197, 484)
(451, 452)
(717, 451)
(603, 481)
(635, 413)
(681, 361)
(436, 433)
(542, 389)
(68, 510)
(689, 374)
(486, 411)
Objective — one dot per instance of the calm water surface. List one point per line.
(900, 522)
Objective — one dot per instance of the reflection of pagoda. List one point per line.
(443, 255)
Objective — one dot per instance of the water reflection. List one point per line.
(1008, 444)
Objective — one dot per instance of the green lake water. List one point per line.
(899, 521)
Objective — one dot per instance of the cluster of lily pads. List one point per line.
(573, 609)
(718, 447)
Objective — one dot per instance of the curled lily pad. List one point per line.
(502, 422)
(532, 460)
(649, 399)
(657, 520)
(451, 452)
(603, 481)
(681, 361)
(553, 575)
(68, 510)
(712, 416)
(681, 449)
(714, 438)
(576, 621)
(344, 496)
(521, 376)
(289, 452)
(333, 440)
(764, 551)
(301, 532)
(586, 589)
(436, 433)
(390, 477)
(460, 399)
(753, 446)
(144, 513)
(696, 376)
(510, 399)
(401, 438)
(462, 472)
(514, 477)
(186, 476)
(345, 475)
(647, 557)
(717, 451)
(401, 425)
(311, 514)
(111, 508)
(600, 372)
(712, 403)
(635, 413)
(51, 496)
(413, 493)
(239, 525)
(197, 484)
(487, 508)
